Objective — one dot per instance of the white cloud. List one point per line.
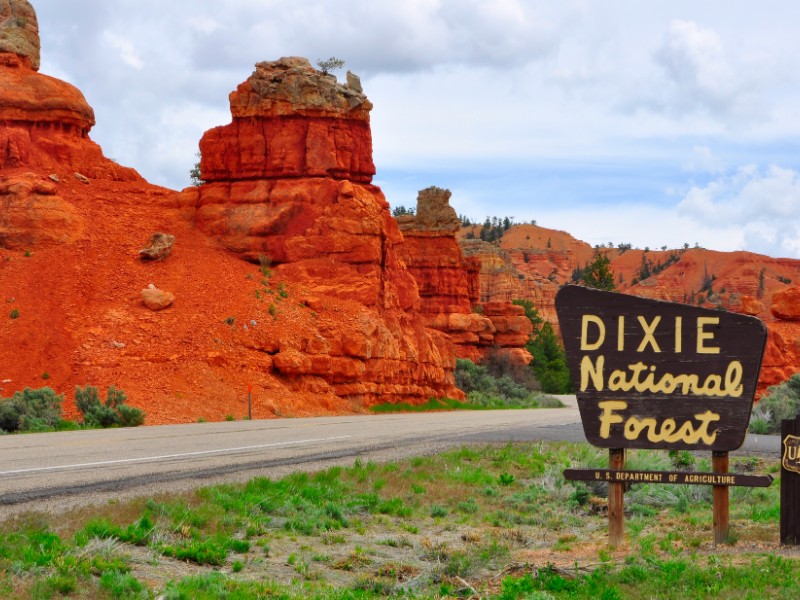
(654, 93)
(763, 203)
(703, 160)
(702, 75)
(127, 51)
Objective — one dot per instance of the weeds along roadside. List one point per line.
(497, 521)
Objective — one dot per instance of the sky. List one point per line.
(654, 123)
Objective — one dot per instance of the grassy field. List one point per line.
(493, 522)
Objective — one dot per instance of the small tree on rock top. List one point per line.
(331, 64)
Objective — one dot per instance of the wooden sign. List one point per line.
(652, 374)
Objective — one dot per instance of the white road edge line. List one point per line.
(167, 456)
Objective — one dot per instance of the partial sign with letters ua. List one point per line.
(791, 453)
(652, 374)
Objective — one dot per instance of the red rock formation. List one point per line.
(449, 286)
(290, 120)
(44, 122)
(288, 183)
(533, 262)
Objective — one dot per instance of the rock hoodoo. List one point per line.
(290, 120)
(44, 122)
(449, 284)
(19, 31)
(287, 183)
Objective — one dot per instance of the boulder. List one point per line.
(751, 306)
(156, 299)
(786, 304)
(160, 247)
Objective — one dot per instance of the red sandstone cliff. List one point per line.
(330, 326)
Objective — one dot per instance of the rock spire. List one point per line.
(19, 31)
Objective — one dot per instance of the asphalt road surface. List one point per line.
(52, 472)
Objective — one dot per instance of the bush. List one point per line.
(484, 389)
(779, 404)
(111, 413)
(31, 410)
(500, 365)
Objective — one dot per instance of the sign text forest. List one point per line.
(652, 374)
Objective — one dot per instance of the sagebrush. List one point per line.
(114, 412)
(779, 404)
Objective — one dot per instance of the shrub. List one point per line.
(484, 389)
(31, 410)
(779, 404)
(111, 413)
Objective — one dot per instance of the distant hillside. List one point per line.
(528, 261)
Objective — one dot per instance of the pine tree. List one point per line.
(598, 273)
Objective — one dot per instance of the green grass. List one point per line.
(461, 523)
(444, 404)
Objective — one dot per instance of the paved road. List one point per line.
(57, 471)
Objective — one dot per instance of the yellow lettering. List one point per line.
(703, 335)
(634, 427)
(594, 371)
(643, 378)
(601, 332)
(621, 334)
(702, 432)
(733, 379)
(608, 418)
(668, 429)
(665, 431)
(678, 334)
(648, 329)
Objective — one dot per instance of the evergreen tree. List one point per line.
(549, 361)
(598, 273)
(549, 358)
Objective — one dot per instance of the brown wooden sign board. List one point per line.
(653, 374)
(677, 477)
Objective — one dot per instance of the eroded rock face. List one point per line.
(449, 284)
(33, 214)
(19, 31)
(287, 184)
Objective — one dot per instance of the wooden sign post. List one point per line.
(652, 374)
(790, 482)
